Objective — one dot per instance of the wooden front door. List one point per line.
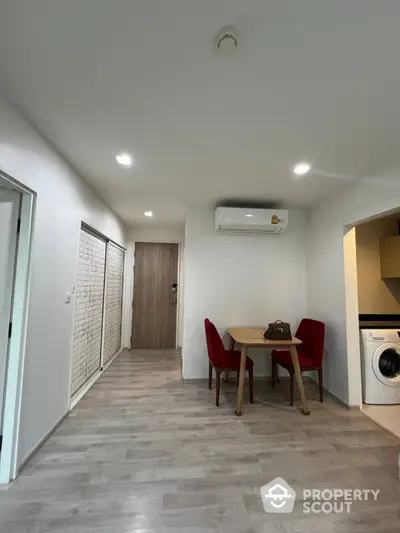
(155, 295)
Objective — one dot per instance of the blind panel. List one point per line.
(113, 306)
(86, 356)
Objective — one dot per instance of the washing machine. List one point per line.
(380, 362)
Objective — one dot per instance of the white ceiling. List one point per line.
(311, 79)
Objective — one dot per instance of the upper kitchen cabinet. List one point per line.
(390, 257)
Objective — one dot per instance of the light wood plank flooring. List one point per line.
(144, 452)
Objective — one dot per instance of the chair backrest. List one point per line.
(215, 346)
(312, 334)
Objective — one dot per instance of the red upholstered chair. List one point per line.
(310, 352)
(223, 360)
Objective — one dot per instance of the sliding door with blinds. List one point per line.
(113, 301)
(88, 325)
(98, 306)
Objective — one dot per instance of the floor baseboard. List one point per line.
(336, 398)
(33, 452)
(36, 448)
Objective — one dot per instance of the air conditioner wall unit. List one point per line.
(244, 220)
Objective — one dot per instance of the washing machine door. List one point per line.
(386, 364)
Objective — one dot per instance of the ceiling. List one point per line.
(310, 79)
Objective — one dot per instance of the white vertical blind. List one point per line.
(86, 357)
(113, 301)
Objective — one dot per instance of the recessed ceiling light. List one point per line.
(125, 159)
(249, 216)
(301, 169)
(148, 213)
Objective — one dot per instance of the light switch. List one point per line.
(68, 297)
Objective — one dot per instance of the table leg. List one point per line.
(299, 379)
(239, 401)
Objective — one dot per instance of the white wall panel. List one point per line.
(328, 297)
(114, 297)
(86, 355)
(65, 200)
(239, 280)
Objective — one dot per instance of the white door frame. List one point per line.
(16, 347)
(12, 199)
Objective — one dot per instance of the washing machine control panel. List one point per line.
(375, 336)
(381, 335)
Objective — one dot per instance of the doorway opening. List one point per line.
(155, 304)
(16, 222)
(372, 279)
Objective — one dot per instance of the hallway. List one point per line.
(144, 452)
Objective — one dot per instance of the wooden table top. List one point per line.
(254, 337)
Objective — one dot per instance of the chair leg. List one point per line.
(321, 385)
(291, 385)
(210, 376)
(273, 372)
(251, 385)
(218, 375)
(278, 379)
(237, 378)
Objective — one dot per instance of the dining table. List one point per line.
(254, 338)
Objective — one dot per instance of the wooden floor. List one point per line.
(144, 452)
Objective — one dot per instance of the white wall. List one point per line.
(63, 201)
(239, 280)
(326, 294)
(157, 234)
(153, 234)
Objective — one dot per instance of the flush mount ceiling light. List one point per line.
(148, 213)
(125, 159)
(249, 216)
(227, 39)
(302, 168)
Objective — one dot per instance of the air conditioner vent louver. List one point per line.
(243, 220)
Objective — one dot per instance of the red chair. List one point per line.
(310, 352)
(223, 360)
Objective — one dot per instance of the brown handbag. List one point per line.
(278, 331)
